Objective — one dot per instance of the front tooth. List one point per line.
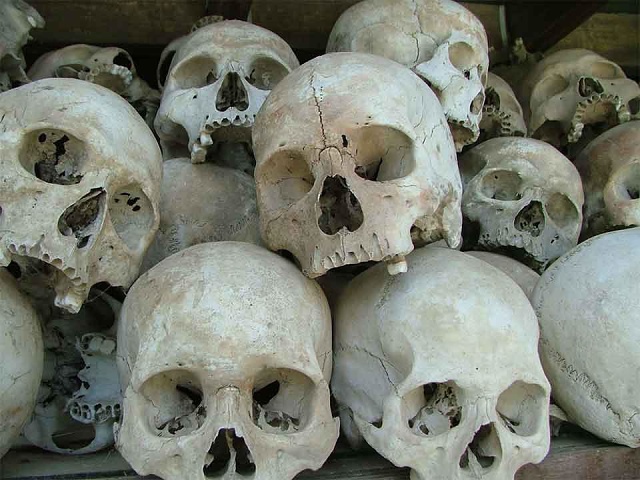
(397, 265)
(205, 139)
(198, 153)
(5, 257)
(71, 300)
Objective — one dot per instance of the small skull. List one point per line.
(218, 79)
(501, 113)
(522, 198)
(610, 170)
(354, 161)
(443, 42)
(439, 375)
(225, 354)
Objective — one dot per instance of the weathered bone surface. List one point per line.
(225, 353)
(439, 371)
(501, 114)
(610, 170)
(21, 354)
(203, 203)
(522, 198)
(519, 273)
(587, 305)
(575, 93)
(443, 42)
(80, 177)
(354, 158)
(17, 18)
(79, 398)
(218, 79)
(110, 67)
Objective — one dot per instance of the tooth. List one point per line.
(198, 153)
(397, 265)
(205, 139)
(5, 257)
(71, 300)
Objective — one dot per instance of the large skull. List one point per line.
(21, 354)
(438, 368)
(501, 114)
(610, 170)
(522, 198)
(354, 158)
(226, 351)
(79, 184)
(575, 92)
(440, 40)
(526, 278)
(218, 80)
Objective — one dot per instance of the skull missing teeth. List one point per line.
(355, 163)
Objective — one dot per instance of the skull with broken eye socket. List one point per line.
(79, 186)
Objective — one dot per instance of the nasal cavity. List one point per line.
(232, 94)
(588, 86)
(228, 453)
(531, 219)
(339, 206)
(483, 451)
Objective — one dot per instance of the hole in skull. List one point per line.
(266, 73)
(232, 94)
(226, 447)
(634, 106)
(340, 207)
(588, 86)
(131, 214)
(461, 56)
(521, 408)
(502, 185)
(382, 153)
(15, 270)
(439, 409)
(53, 156)
(492, 99)
(80, 218)
(562, 211)
(345, 141)
(79, 437)
(531, 219)
(194, 72)
(287, 179)
(123, 60)
(482, 452)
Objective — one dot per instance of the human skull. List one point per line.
(110, 67)
(203, 203)
(354, 158)
(226, 351)
(522, 198)
(575, 92)
(587, 305)
(438, 368)
(501, 113)
(80, 179)
(21, 354)
(440, 40)
(79, 398)
(516, 271)
(217, 82)
(610, 170)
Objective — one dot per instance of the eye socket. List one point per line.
(282, 400)
(54, 156)
(520, 408)
(266, 73)
(627, 184)
(549, 86)
(383, 154)
(461, 56)
(195, 72)
(433, 409)
(286, 178)
(561, 210)
(502, 185)
(174, 403)
(131, 214)
(606, 71)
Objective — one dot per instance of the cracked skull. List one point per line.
(522, 198)
(79, 184)
(226, 351)
(440, 40)
(354, 161)
(610, 170)
(501, 114)
(575, 93)
(439, 375)
(218, 79)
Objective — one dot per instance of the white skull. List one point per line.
(354, 158)
(438, 368)
(576, 91)
(80, 179)
(79, 398)
(21, 354)
(110, 67)
(522, 198)
(526, 278)
(440, 40)
(217, 82)
(610, 170)
(501, 114)
(226, 351)
(587, 305)
(203, 203)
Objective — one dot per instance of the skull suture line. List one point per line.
(80, 173)
(354, 161)
(226, 351)
(443, 42)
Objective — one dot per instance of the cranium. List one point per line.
(610, 170)
(354, 158)
(439, 374)
(226, 351)
(79, 181)
(217, 82)
(501, 113)
(526, 278)
(522, 198)
(440, 40)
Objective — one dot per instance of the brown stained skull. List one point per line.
(522, 198)
(355, 163)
